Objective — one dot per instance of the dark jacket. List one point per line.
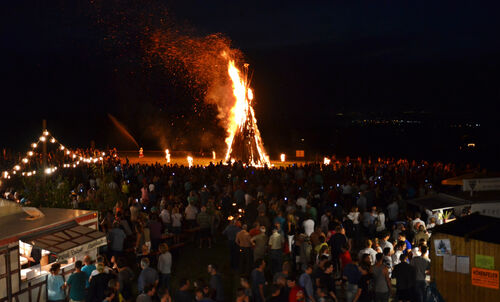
(97, 286)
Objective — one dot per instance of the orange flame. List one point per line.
(241, 110)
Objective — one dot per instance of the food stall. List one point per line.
(31, 240)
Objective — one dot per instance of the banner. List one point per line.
(81, 248)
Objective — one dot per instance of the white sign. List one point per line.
(463, 264)
(481, 184)
(449, 263)
(82, 248)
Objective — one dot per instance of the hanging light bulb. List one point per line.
(45, 133)
(61, 147)
(17, 167)
(52, 140)
(30, 153)
(42, 138)
(25, 160)
(34, 145)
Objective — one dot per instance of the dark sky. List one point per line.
(73, 62)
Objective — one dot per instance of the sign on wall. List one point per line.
(442, 246)
(487, 262)
(485, 278)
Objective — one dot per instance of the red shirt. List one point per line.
(254, 232)
(292, 297)
(345, 258)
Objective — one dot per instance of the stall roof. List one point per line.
(436, 202)
(474, 226)
(17, 225)
(66, 240)
(444, 201)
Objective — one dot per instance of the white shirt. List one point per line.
(381, 222)
(324, 223)
(384, 244)
(176, 219)
(371, 252)
(302, 202)
(354, 216)
(191, 212)
(95, 272)
(415, 221)
(395, 258)
(248, 199)
(165, 216)
(308, 227)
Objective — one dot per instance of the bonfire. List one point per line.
(244, 142)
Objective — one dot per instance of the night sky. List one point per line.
(73, 62)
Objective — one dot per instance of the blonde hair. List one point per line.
(100, 267)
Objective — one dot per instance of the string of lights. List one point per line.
(22, 168)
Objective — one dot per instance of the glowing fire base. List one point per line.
(246, 144)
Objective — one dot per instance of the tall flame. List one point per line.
(240, 113)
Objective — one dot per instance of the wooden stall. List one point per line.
(29, 245)
(465, 259)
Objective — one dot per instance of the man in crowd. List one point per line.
(216, 283)
(258, 281)
(422, 266)
(148, 275)
(76, 283)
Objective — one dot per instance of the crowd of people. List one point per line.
(338, 232)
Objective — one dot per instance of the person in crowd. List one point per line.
(148, 275)
(230, 232)
(368, 250)
(243, 240)
(204, 221)
(422, 267)
(366, 286)
(183, 294)
(327, 281)
(260, 242)
(176, 224)
(116, 239)
(216, 283)
(164, 266)
(88, 268)
(405, 275)
(351, 275)
(381, 279)
(147, 293)
(308, 225)
(55, 284)
(275, 251)
(156, 230)
(76, 283)
(305, 281)
(258, 281)
(98, 284)
(241, 296)
(125, 277)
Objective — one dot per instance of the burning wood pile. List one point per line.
(244, 142)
